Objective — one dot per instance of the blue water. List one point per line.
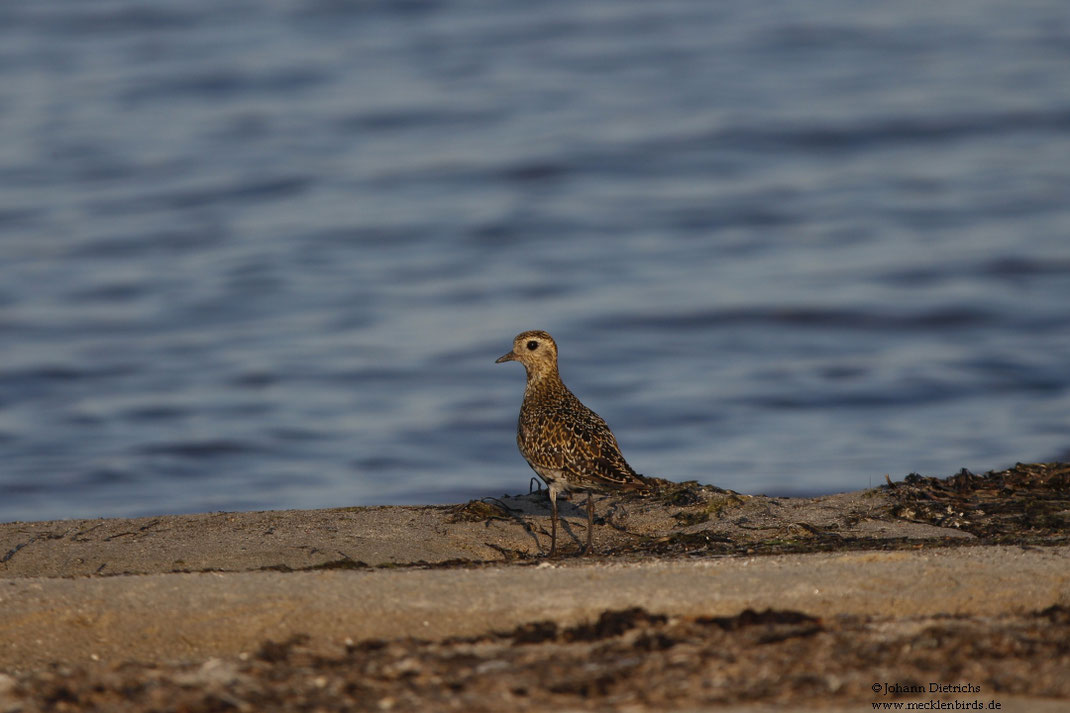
(264, 254)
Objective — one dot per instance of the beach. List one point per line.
(697, 599)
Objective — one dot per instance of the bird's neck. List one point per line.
(543, 378)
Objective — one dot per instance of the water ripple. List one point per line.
(807, 317)
(884, 132)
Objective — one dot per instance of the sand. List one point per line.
(698, 599)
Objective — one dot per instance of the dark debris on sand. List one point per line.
(629, 657)
(1027, 504)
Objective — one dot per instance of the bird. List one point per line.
(568, 445)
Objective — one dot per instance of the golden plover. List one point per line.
(566, 443)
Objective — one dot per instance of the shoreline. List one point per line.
(252, 606)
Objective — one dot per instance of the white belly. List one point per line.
(552, 478)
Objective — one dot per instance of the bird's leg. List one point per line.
(553, 522)
(590, 523)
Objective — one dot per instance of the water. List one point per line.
(264, 254)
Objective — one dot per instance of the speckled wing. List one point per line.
(570, 437)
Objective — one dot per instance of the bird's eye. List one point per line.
(533, 345)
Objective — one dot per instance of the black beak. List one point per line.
(511, 356)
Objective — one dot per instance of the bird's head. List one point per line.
(536, 350)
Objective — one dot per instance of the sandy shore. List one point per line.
(699, 599)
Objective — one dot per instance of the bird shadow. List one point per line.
(531, 511)
(537, 503)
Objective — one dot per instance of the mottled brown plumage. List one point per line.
(566, 443)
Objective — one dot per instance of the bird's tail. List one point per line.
(644, 486)
(649, 485)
